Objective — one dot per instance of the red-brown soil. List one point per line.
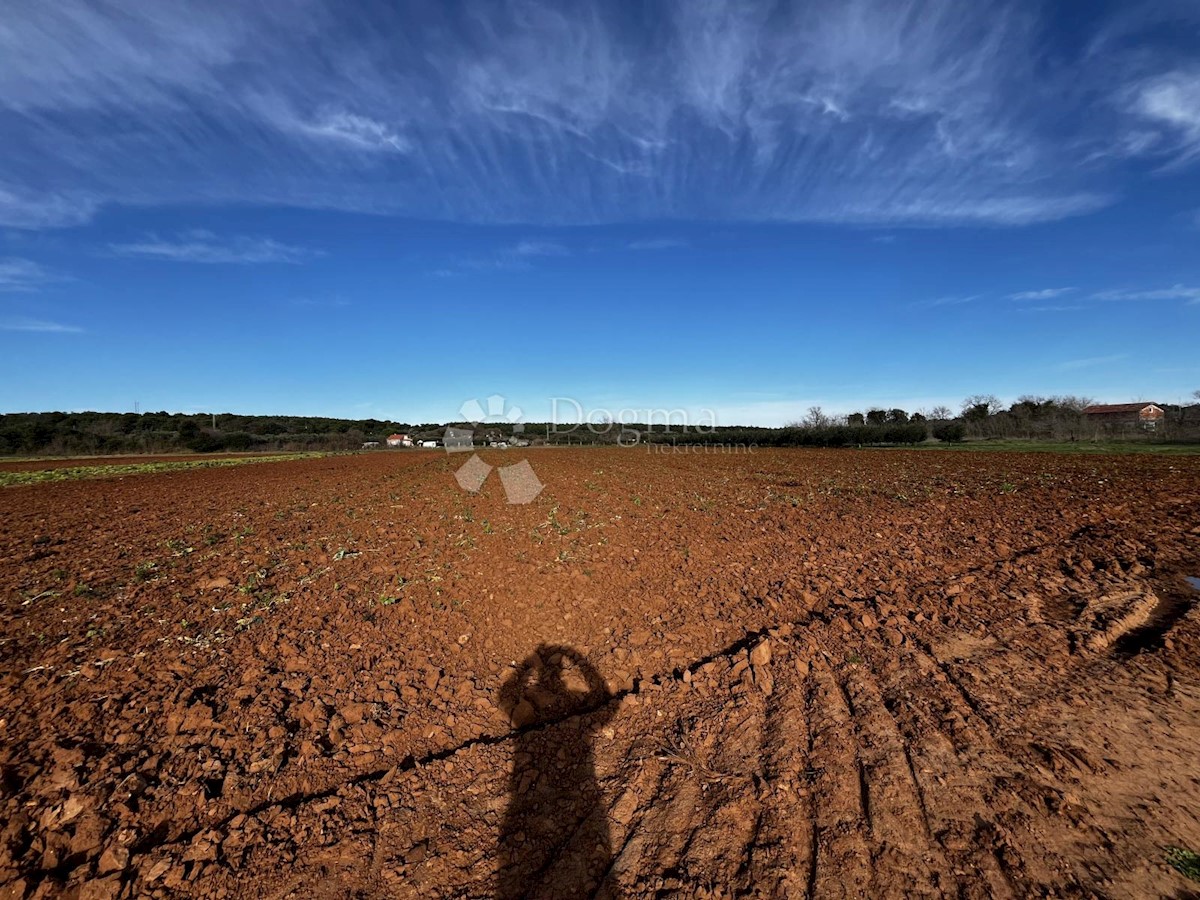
(784, 674)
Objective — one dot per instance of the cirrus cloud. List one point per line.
(1042, 294)
(1176, 292)
(206, 247)
(917, 112)
(43, 326)
(24, 275)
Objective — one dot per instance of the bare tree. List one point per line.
(1073, 403)
(980, 406)
(815, 418)
(940, 414)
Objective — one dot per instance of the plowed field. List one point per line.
(778, 674)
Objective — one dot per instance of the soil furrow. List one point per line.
(782, 674)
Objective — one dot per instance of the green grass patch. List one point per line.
(74, 473)
(1184, 861)
(1067, 447)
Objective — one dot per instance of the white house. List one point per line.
(399, 440)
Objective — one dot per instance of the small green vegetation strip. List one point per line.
(1185, 862)
(74, 473)
(1001, 446)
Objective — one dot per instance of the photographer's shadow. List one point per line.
(554, 842)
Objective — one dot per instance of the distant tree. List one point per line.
(917, 417)
(897, 417)
(876, 416)
(815, 418)
(1028, 406)
(856, 418)
(940, 413)
(978, 407)
(950, 432)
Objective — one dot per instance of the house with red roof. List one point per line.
(1134, 415)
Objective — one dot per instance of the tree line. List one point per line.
(983, 417)
(979, 417)
(65, 434)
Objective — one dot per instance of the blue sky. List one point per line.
(384, 210)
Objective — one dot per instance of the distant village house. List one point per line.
(399, 440)
(1134, 415)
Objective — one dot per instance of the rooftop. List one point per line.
(1102, 408)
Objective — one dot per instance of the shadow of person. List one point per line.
(554, 841)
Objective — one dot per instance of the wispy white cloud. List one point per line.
(665, 243)
(27, 209)
(917, 112)
(539, 248)
(1067, 307)
(23, 324)
(1090, 362)
(24, 275)
(1043, 294)
(206, 247)
(1170, 101)
(519, 257)
(969, 208)
(355, 131)
(1176, 292)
